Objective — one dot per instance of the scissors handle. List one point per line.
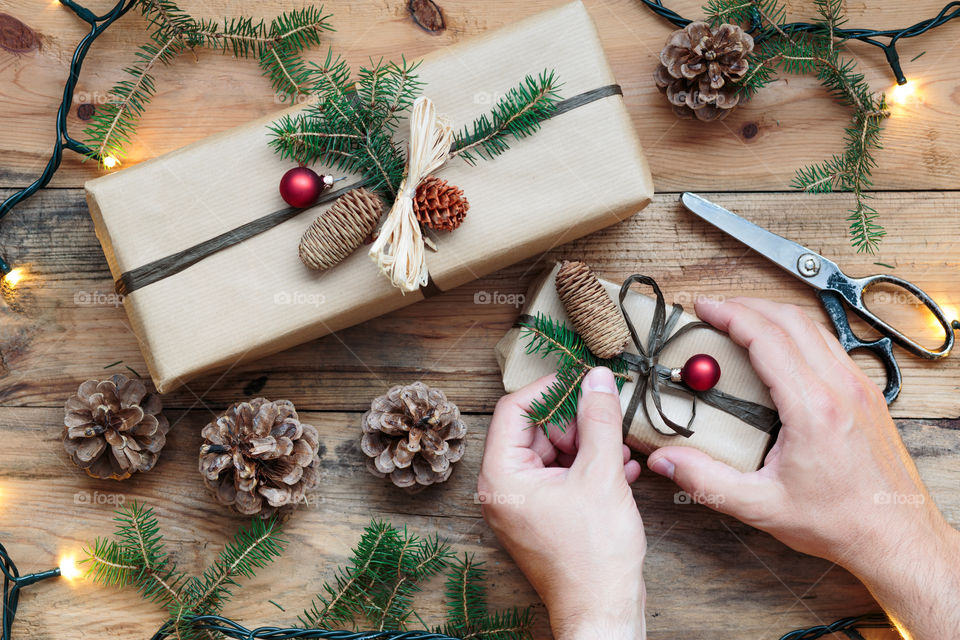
(851, 289)
(882, 348)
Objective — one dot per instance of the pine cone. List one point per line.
(440, 205)
(114, 428)
(259, 458)
(593, 314)
(342, 228)
(699, 67)
(414, 434)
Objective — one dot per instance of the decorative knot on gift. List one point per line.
(399, 249)
(737, 425)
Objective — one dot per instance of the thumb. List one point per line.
(708, 481)
(599, 423)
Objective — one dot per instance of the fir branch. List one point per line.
(466, 597)
(173, 31)
(516, 115)
(557, 405)
(386, 571)
(344, 598)
(252, 548)
(816, 52)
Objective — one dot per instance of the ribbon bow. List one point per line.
(399, 249)
(653, 374)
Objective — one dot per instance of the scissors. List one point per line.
(834, 288)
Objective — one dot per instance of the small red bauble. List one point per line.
(301, 186)
(701, 372)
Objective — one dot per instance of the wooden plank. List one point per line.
(757, 148)
(708, 576)
(63, 325)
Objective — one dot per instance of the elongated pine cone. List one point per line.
(440, 205)
(593, 313)
(699, 67)
(339, 230)
(113, 428)
(259, 458)
(414, 435)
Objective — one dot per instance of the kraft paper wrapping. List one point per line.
(717, 433)
(584, 170)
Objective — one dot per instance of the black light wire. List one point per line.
(950, 11)
(98, 24)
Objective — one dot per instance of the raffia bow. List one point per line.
(399, 249)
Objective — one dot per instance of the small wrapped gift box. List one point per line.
(582, 171)
(717, 432)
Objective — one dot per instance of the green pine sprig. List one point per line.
(136, 556)
(352, 124)
(819, 53)
(516, 115)
(558, 404)
(376, 589)
(277, 47)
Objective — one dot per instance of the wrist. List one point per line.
(882, 552)
(620, 620)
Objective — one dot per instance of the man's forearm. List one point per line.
(916, 579)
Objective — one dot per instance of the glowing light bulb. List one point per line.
(68, 567)
(904, 93)
(110, 162)
(12, 278)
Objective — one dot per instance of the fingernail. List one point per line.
(661, 466)
(709, 301)
(600, 380)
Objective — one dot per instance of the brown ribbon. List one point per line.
(653, 374)
(157, 270)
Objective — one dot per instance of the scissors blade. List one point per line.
(792, 257)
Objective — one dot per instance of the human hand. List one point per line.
(839, 482)
(562, 507)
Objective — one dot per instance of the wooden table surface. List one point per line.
(708, 576)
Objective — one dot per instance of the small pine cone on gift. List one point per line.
(338, 231)
(699, 67)
(113, 428)
(414, 435)
(259, 458)
(440, 205)
(593, 313)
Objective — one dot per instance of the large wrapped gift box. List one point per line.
(584, 170)
(723, 436)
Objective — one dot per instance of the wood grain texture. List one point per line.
(708, 576)
(63, 323)
(757, 148)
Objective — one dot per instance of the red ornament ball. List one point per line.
(701, 372)
(301, 186)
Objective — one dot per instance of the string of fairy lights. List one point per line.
(13, 582)
(885, 39)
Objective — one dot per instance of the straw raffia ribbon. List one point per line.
(399, 249)
(654, 375)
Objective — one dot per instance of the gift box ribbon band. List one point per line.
(653, 375)
(157, 270)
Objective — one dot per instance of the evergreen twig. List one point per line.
(172, 32)
(352, 123)
(558, 404)
(377, 587)
(818, 52)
